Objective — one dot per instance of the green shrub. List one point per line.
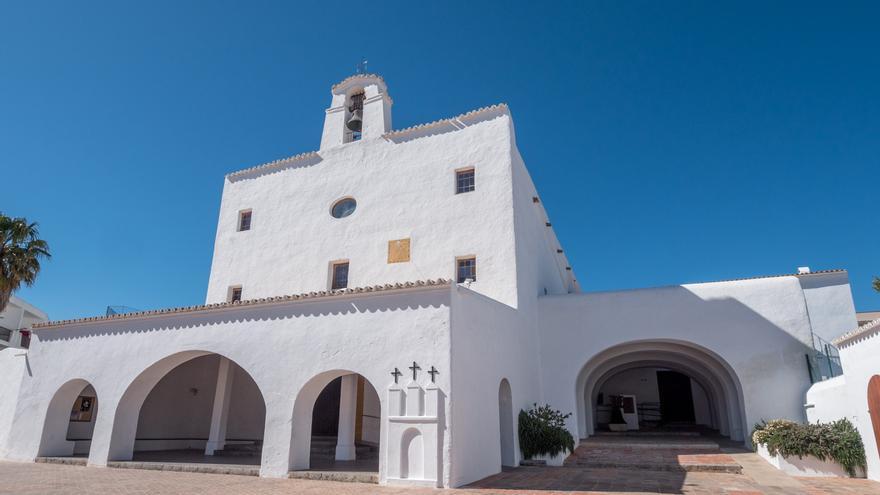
(838, 441)
(542, 432)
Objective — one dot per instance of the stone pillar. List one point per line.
(220, 413)
(345, 450)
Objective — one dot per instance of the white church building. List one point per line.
(393, 300)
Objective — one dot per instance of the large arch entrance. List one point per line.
(192, 407)
(70, 421)
(675, 384)
(336, 425)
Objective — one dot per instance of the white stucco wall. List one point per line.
(847, 396)
(404, 188)
(285, 347)
(12, 369)
(756, 329)
(490, 342)
(829, 300)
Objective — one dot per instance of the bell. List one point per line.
(355, 123)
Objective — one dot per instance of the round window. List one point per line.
(343, 208)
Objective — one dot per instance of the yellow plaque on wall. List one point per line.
(398, 251)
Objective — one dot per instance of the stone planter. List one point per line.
(808, 466)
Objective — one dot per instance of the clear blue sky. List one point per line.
(672, 142)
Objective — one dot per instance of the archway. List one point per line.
(192, 407)
(709, 375)
(336, 424)
(70, 421)
(505, 421)
(874, 407)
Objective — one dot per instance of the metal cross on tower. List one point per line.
(414, 368)
(362, 66)
(396, 374)
(433, 372)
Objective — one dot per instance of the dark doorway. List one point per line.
(325, 415)
(676, 399)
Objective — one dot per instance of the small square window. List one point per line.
(339, 277)
(244, 220)
(464, 181)
(234, 294)
(466, 268)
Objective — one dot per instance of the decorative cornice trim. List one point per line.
(451, 120)
(863, 331)
(400, 286)
(274, 164)
(357, 76)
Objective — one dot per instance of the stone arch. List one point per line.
(709, 384)
(412, 454)
(506, 422)
(125, 421)
(53, 441)
(712, 372)
(303, 407)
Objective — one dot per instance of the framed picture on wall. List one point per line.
(82, 409)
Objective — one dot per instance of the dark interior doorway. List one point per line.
(325, 415)
(676, 399)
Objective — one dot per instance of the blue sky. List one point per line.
(671, 142)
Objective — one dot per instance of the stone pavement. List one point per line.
(53, 479)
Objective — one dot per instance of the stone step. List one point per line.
(641, 433)
(70, 461)
(344, 476)
(653, 466)
(235, 469)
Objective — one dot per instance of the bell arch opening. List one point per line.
(336, 424)
(674, 385)
(70, 421)
(191, 407)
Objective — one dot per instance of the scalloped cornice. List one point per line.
(472, 113)
(400, 286)
(863, 331)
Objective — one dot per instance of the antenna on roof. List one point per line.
(362, 66)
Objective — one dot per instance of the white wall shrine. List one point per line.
(415, 434)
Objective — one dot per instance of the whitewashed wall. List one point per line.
(12, 370)
(758, 329)
(283, 347)
(404, 188)
(829, 299)
(847, 396)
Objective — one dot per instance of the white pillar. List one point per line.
(345, 450)
(220, 413)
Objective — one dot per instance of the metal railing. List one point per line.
(823, 362)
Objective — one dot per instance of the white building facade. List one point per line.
(416, 273)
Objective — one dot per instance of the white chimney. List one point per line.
(803, 270)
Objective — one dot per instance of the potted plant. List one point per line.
(617, 422)
(543, 437)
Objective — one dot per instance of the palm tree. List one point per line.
(877, 284)
(20, 253)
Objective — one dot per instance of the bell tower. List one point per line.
(360, 109)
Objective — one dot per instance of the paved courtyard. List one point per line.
(52, 479)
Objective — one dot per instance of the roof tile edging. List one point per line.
(440, 282)
(862, 331)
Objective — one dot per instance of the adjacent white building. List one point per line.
(403, 294)
(16, 320)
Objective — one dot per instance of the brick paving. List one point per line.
(53, 479)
